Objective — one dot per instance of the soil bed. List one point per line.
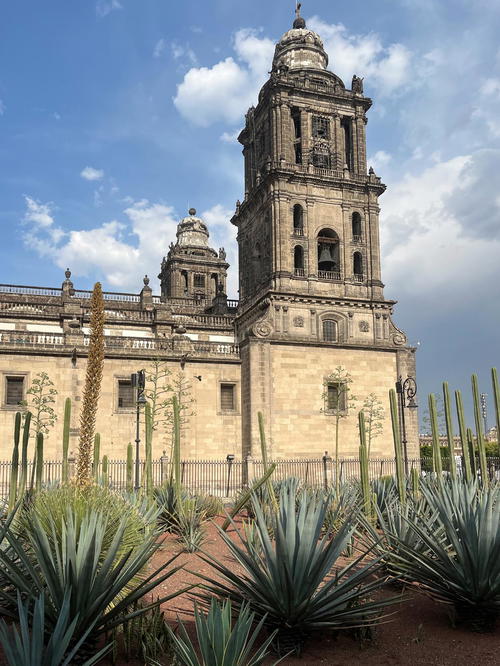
(419, 632)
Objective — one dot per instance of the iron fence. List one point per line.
(225, 478)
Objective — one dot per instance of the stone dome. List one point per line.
(300, 48)
(192, 231)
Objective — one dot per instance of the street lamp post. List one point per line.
(138, 381)
(406, 390)
(484, 412)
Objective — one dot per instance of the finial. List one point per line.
(145, 279)
(67, 273)
(299, 21)
(192, 211)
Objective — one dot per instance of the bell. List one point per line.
(325, 255)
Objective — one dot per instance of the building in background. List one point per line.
(311, 295)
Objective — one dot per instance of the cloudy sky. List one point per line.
(116, 116)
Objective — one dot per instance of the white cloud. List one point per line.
(386, 68)
(185, 52)
(429, 252)
(159, 48)
(38, 213)
(230, 137)
(226, 90)
(122, 251)
(89, 173)
(2, 108)
(379, 160)
(105, 7)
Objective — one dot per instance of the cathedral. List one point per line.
(311, 297)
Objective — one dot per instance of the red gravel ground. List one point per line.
(419, 633)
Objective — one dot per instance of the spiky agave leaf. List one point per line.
(29, 646)
(220, 641)
(70, 561)
(462, 568)
(290, 578)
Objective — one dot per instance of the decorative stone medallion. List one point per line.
(364, 326)
(298, 322)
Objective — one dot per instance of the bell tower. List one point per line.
(308, 238)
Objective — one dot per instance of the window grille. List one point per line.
(14, 390)
(227, 401)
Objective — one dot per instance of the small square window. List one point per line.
(14, 390)
(227, 397)
(126, 397)
(336, 397)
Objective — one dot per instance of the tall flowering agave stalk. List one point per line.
(92, 388)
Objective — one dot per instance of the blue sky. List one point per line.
(109, 133)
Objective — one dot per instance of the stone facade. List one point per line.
(311, 295)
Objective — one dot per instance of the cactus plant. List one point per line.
(24, 454)
(437, 463)
(66, 425)
(479, 432)
(363, 464)
(105, 472)
(130, 468)
(463, 435)
(97, 456)
(39, 461)
(496, 398)
(449, 430)
(149, 454)
(14, 472)
(398, 449)
(265, 464)
(177, 446)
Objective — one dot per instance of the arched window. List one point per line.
(298, 220)
(357, 266)
(298, 260)
(185, 283)
(356, 227)
(328, 255)
(329, 330)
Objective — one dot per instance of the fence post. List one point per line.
(71, 466)
(164, 468)
(327, 470)
(249, 470)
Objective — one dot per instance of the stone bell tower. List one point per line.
(311, 295)
(192, 269)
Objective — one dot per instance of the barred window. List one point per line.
(330, 330)
(227, 397)
(320, 127)
(336, 397)
(125, 394)
(14, 390)
(199, 280)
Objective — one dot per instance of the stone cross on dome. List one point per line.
(299, 21)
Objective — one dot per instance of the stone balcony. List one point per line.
(133, 347)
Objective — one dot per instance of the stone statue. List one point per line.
(357, 85)
(222, 253)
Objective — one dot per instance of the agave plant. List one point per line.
(189, 527)
(101, 589)
(220, 642)
(286, 579)
(461, 565)
(25, 647)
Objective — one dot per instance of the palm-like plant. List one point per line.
(290, 580)
(461, 565)
(220, 642)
